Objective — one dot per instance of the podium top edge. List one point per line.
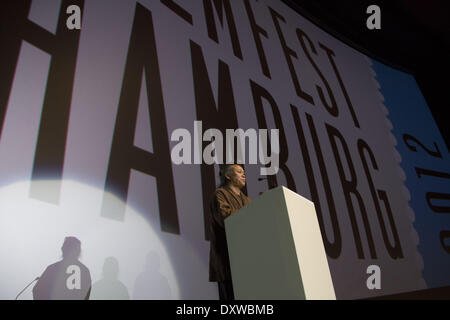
(285, 189)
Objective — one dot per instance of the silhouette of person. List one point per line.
(110, 287)
(151, 284)
(67, 279)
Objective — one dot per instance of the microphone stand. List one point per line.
(37, 278)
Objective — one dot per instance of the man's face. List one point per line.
(236, 175)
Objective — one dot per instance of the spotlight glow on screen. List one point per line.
(32, 233)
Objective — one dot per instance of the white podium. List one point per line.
(276, 249)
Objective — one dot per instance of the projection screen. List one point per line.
(86, 148)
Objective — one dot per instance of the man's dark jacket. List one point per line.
(223, 204)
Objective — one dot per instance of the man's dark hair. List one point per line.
(224, 170)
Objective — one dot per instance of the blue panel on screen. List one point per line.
(426, 162)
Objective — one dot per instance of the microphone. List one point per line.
(37, 278)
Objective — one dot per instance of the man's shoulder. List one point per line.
(221, 192)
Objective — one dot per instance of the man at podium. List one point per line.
(226, 200)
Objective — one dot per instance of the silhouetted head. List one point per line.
(111, 268)
(71, 248)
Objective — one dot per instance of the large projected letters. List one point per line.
(349, 187)
(334, 248)
(330, 55)
(412, 143)
(142, 58)
(289, 53)
(221, 116)
(259, 93)
(178, 10)
(222, 5)
(63, 47)
(394, 250)
(333, 108)
(257, 30)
